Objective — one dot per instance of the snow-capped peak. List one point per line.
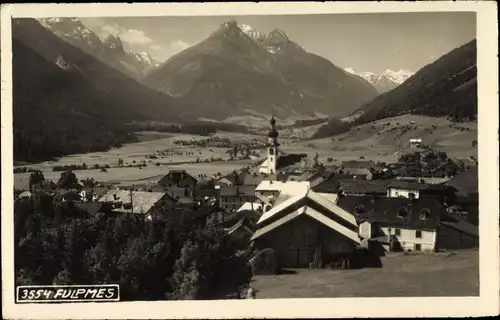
(399, 76)
(251, 32)
(146, 59)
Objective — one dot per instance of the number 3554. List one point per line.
(32, 294)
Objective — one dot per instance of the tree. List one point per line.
(67, 180)
(474, 143)
(35, 178)
(120, 162)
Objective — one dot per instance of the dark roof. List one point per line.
(465, 182)
(355, 186)
(327, 186)
(462, 226)
(90, 207)
(227, 191)
(416, 186)
(177, 176)
(385, 211)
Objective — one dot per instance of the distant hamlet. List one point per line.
(241, 167)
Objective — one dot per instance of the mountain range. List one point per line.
(446, 87)
(110, 50)
(67, 101)
(384, 81)
(241, 71)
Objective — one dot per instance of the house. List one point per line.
(226, 182)
(466, 183)
(240, 230)
(458, 234)
(178, 178)
(233, 197)
(407, 189)
(363, 187)
(467, 193)
(398, 223)
(306, 229)
(268, 190)
(359, 173)
(138, 202)
(361, 164)
(70, 194)
(329, 183)
(25, 195)
(426, 180)
(415, 143)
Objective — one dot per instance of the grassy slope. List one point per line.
(400, 276)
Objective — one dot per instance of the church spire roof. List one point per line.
(273, 133)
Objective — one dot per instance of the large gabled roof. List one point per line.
(313, 205)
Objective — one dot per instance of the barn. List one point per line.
(306, 229)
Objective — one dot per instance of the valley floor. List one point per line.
(441, 274)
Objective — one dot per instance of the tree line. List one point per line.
(167, 258)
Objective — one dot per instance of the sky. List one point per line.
(370, 42)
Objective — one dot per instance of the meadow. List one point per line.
(382, 140)
(419, 275)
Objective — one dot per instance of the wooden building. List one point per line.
(457, 234)
(307, 230)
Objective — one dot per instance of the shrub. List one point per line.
(264, 262)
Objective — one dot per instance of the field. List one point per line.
(385, 139)
(381, 140)
(138, 152)
(442, 274)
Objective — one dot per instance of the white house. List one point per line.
(415, 143)
(396, 223)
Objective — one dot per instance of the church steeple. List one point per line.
(271, 164)
(273, 133)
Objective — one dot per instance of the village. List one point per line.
(287, 212)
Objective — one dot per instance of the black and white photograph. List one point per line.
(261, 156)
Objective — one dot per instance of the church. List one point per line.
(270, 165)
(277, 160)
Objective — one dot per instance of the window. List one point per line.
(424, 214)
(418, 234)
(397, 232)
(389, 231)
(418, 247)
(402, 212)
(412, 195)
(271, 152)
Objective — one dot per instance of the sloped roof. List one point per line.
(462, 226)
(316, 215)
(427, 180)
(176, 176)
(228, 191)
(355, 186)
(416, 186)
(250, 205)
(332, 197)
(142, 201)
(292, 187)
(314, 197)
(385, 210)
(465, 182)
